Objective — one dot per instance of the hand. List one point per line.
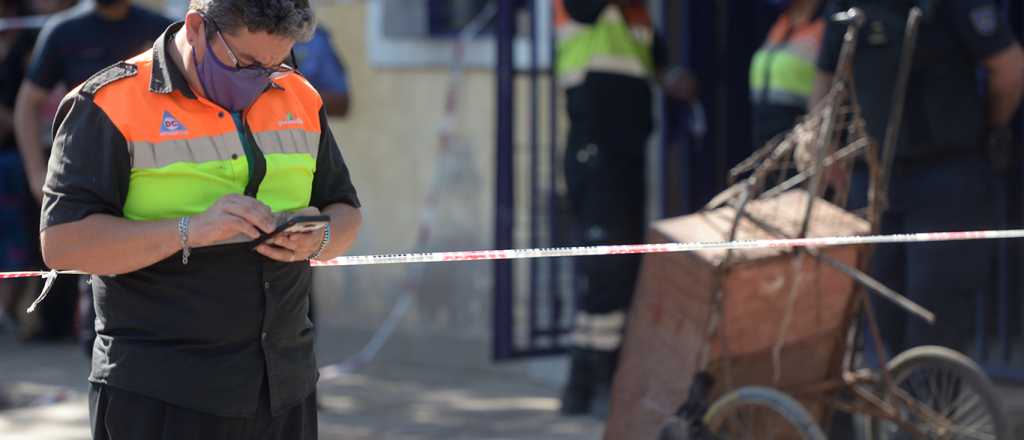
(232, 215)
(293, 246)
(680, 84)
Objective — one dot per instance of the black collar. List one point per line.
(166, 75)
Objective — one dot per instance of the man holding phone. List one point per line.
(167, 170)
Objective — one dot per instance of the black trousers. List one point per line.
(116, 414)
(605, 171)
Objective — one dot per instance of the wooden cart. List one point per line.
(761, 344)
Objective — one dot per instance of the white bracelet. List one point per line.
(323, 243)
(183, 225)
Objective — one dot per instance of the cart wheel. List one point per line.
(758, 413)
(954, 387)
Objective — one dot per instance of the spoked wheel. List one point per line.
(959, 401)
(758, 413)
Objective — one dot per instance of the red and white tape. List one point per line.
(583, 251)
(810, 242)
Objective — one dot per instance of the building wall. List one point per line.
(390, 141)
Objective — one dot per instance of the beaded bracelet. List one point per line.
(323, 243)
(183, 226)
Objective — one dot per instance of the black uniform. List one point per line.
(942, 179)
(605, 170)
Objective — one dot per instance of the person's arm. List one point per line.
(27, 128)
(43, 74)
(333, 194)
(984, 31)
(6, 121)
(337, 104)
(1005, 84)
(82, 217)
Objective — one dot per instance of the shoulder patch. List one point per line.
(106, 76)
(984, 20)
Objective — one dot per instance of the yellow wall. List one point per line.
(390, 142)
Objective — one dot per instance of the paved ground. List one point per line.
(390, 399)
(446, 398)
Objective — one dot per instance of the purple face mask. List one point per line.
(232, 88)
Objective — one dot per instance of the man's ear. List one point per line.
(195, 29)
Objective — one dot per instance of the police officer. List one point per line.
(607, 57)
(942, 178)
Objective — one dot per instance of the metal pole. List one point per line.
(534, 169)
(554, 237)
(504, 207)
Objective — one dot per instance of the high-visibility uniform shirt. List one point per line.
(134, 141)
(617, 40)
(782, 75)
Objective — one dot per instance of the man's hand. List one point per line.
(231, 216)
(680, 84)
(294, 246)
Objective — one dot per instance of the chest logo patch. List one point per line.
(289, 119)
(171, 125)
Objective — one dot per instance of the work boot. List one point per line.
(604, 363)
(580, 387)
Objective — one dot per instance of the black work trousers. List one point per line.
(605, 173)
(117, 414)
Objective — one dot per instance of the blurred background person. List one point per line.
(942, 178)
(607, 57)
(782, 70)
(322, 65)
(19, 248)
(72, 47)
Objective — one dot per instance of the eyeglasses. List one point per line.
(256, 67)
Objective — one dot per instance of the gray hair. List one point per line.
(292, 19)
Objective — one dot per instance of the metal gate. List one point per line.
(532, 298)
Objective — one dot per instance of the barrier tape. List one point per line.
(584, 251)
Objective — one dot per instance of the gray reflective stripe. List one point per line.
(778, 97)
(289, 141)
(222, 147)
(192, 150)
(599, 331)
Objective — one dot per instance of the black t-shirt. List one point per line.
(944, 109)
(78, 43)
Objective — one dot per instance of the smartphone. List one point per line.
(299, 223)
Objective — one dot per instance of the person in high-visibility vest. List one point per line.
(782, 71)
(607, 57)
(168, 171)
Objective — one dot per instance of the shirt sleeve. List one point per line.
(832, 41)
(45, 66)
(89, 167)
(331, 181)
(980, 26)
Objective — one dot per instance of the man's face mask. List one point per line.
(233, 88)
